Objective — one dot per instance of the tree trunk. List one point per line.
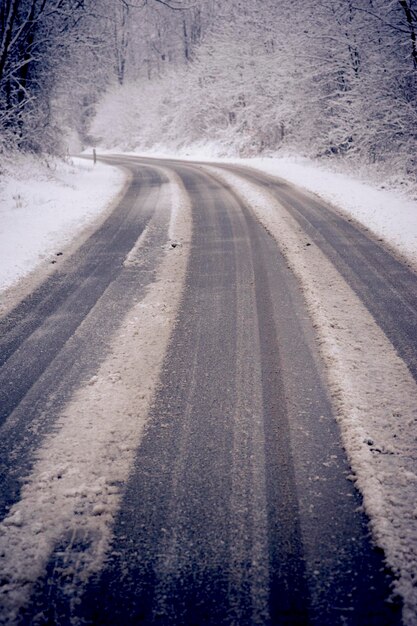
(10, 13)
(412, 24)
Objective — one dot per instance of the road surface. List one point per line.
(238, 509)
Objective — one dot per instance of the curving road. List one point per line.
(238, 509)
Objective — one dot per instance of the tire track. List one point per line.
(67, 502)
(387, 287)
(239, 509)
(372, 389)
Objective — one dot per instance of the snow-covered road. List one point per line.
(236, 503)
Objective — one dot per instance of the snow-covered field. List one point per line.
(42, 209)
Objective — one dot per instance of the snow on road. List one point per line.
(41, 213)
(73, 491)
(41, 210)
(391, 214)
(372, 389)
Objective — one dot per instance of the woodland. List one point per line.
(322, 78)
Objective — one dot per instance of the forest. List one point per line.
(321, 78)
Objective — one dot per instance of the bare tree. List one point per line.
(35, 38)
(409, 8)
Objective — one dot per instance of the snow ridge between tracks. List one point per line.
(373, 392)
(74, 490)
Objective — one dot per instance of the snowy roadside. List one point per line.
(43, 210)
(372, 390)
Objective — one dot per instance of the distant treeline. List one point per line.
(318, 77)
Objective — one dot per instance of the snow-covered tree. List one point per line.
(35, 37)
(329, 78)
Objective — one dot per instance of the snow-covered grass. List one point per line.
(42, 208)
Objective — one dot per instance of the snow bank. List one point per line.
(43, 208)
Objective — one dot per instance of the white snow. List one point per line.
(42, 209)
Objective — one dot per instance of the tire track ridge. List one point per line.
(372, 390)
